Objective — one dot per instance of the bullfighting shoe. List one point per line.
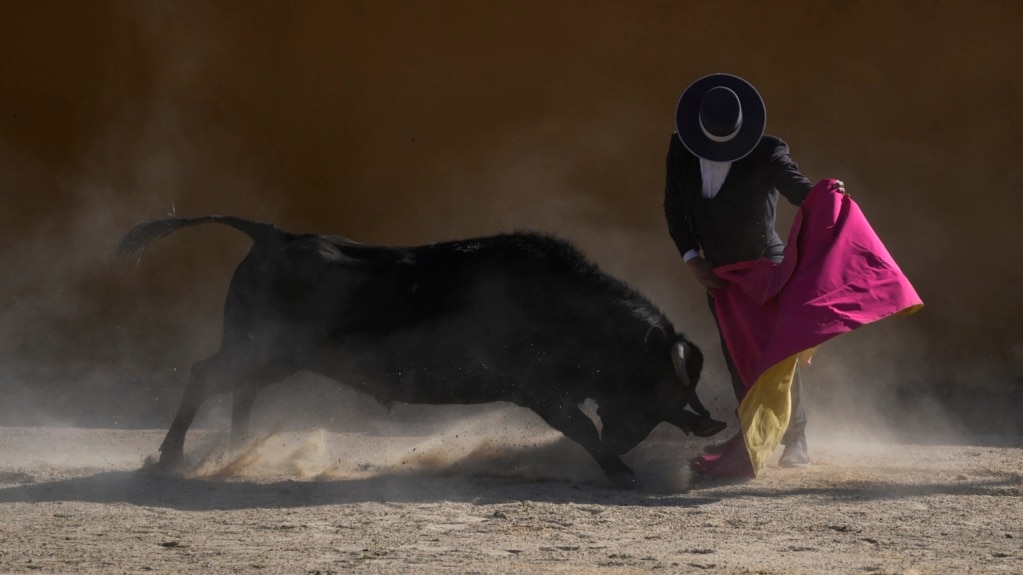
(795, 454)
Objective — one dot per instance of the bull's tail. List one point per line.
(136, 239)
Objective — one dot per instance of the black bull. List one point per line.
(521, 318)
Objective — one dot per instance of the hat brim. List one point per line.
(687, 119)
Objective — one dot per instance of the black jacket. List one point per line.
(738, 223)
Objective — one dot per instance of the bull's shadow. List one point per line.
(189, 494)
(185, 494)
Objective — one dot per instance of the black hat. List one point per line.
(720, 117)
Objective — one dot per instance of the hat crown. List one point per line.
(720, 111)
(720, 117)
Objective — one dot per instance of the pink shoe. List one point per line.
(732, 462)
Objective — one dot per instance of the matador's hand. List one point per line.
(704, 274)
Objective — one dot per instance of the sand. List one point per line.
(495, 495)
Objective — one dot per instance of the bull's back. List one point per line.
(309, 287)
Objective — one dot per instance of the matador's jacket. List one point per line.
(738, 223)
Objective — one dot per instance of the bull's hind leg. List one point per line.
(245, 396)
(571, 421)
(241, 411)
(208, 377)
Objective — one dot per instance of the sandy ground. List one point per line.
(494, 495)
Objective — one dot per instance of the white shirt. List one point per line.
(712, 174)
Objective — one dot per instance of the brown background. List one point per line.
(411, 122)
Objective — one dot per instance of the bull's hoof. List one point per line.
(171, 461)
(708, 427)
(624, 480)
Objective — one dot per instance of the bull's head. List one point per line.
(674, 373)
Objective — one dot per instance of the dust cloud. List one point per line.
(406, 124)
(504, 443)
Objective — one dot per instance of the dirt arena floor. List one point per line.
(495, 495)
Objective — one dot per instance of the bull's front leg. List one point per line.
(571, 421)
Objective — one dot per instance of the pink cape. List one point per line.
(835, 277)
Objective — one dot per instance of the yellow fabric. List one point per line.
(765, 410)
(911, 309)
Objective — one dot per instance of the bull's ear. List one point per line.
(656, 340)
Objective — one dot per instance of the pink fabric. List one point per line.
(836, 276)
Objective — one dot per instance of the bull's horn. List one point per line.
(678, 359)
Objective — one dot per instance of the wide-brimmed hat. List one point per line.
(720, 117)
